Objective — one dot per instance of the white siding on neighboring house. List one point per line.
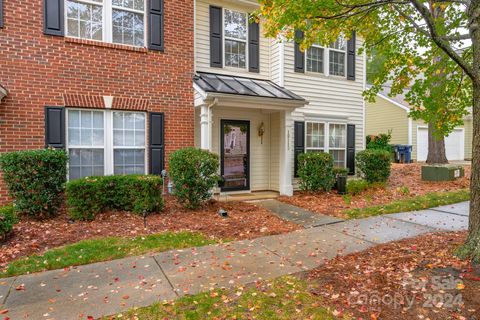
(202, 34)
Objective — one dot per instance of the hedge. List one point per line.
(8, 218)
(194, 174)
(35, 179)
(90, 196)
(374, 165)
(315, 171)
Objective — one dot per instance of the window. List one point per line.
(116, 21)
(337, 56)
(105, 142)
(315, 59)
(336, 53)
(235, 32)
(327, 137)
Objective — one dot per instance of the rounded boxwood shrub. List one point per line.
(35, 179)
(90, 196)
(194, 173)
(316, 172)
(374, 165)
(7, 219)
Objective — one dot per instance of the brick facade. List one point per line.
(40, 70)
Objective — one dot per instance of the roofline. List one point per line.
(394, 102)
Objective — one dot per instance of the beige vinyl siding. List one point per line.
(261, 165)
(203, 40)
(468, 124)
(382, 116)
(328, 96)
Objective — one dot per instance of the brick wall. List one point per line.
(40, 70)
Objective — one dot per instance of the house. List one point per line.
(391, 113)
(108, 80)
(261, 102)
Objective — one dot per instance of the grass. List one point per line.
(429, 200)
(103, 249)
(283, 298)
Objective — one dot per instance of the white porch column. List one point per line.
(286, 154)
(204, 127)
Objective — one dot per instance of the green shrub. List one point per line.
(315, 171)
(194, 173)
(355, 187)
(380, 141)
(374, 165)
(7, 219)
(340, 172)
(35, 179)
(90, 196)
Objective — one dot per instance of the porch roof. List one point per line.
(226, 84)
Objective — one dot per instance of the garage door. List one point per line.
(454, 144)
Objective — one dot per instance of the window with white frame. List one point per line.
(327, 137)
(115, 21)
(335, 65)
(235, 28)
(337, 57)
(105, 142)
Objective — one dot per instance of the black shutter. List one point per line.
(155, 25)
(216, 52)
(1, 13)
(55, 127)
(254, 47)
(351, 53)
(299, 55)
(299, 143)
(157, 145)
(53, 17)
(351, 148)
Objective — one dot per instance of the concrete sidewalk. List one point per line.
(115, 286)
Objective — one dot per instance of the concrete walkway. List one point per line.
(112, 287)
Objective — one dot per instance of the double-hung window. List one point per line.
(105, 142)
(235, 28)
(115, 21)
(329, 60)
(327, 137)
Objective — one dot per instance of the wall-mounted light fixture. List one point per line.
(261, 131)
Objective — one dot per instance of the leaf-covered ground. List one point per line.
(245, 221)
(412, 279)
(404, 183)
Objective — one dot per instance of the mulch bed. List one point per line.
(333, 204)
(245, 221)
(412, 279)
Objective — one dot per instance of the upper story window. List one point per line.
(235, 32)
(336, 63)
(115, 21)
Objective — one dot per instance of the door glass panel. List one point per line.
(235, 155)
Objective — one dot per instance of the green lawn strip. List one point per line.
(429, 200)
(104, 249)
(284, 298)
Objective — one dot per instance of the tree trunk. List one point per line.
(436, 147)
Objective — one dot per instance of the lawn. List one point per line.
(429, 200)
(404, 191)
(103, 249)
(283, 298)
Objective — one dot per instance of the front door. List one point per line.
(235, 154)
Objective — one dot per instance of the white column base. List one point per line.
(286, 190)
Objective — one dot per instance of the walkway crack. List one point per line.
(443, 211)
(166, 277)
(8, 292)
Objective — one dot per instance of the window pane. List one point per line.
(315, 135)
(85, 128)
(235, 54)
(85, 20)
(129, 129)
(128, 27)
(85, 163)
(235, 24)
(338, 158)
(337, 136)
(337, 63)
(340, 44)
(127, 161)
(315, 59)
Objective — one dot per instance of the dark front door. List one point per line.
(235, 152)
